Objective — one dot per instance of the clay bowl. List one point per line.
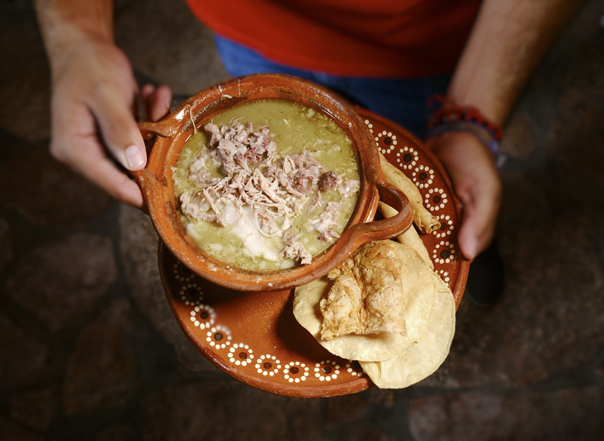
(173, 131)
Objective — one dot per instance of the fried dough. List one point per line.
(353, 347)
(367, 295)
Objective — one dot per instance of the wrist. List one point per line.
(465, 157)
(69, 24)
(452, 117)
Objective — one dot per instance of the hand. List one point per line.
(472, 169)
(93, 115)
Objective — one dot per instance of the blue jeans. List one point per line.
(402, 100)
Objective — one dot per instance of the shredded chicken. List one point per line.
(276, 189)
(329, 218)
(328, 181)
(190, 208)
(296, 251)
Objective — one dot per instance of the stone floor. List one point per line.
(89, 349)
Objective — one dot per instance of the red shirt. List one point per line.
(376, 38)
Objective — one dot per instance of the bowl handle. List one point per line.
(164, 128)
(147, 178)
(390, 227)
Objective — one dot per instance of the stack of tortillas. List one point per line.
(384, 306)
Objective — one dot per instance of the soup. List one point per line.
(267, 185)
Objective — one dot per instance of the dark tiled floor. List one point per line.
(89, 349)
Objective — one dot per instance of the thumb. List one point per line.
(478, 224)
(119, 131)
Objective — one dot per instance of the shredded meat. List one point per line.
(328, 181)
(348, 187)
(328, 220)
(275, 189)
(296, 251)
(190, 208)
(267, 223)
(318, 202)
(307, 170)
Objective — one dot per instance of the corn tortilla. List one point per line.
(352, 347)
(424, 356)
(410, 237)
(418, 295)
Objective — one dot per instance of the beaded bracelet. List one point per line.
(453, 118)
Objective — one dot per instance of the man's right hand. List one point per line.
(94, 96)
(93, 115)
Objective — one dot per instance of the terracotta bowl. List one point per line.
(173, 131)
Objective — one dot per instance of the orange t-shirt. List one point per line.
(374, 38)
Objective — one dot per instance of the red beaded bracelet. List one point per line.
(453, 118)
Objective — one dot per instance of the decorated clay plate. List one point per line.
(255, 338)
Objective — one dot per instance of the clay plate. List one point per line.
(255, 338)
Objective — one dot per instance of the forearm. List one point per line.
(507, 42)
(65, 22)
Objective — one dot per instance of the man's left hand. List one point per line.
(477, 184)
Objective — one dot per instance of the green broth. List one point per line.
(295, 129)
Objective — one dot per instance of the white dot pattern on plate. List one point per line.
(240, 354)
(189, 289)
(268, 365)
(423, 176)
(351, 370)
(446, 226)
(444, 252)
(295, 372)
(327, 370)
(218, 337)
(203, 316)
(407, 158)
(435, 199)
(444, 275)
(386, 141)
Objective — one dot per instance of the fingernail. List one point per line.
(135, 157)
(472, 247)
